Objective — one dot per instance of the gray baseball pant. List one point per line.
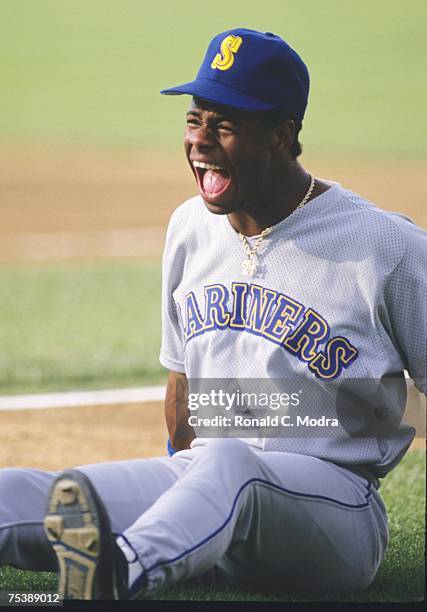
(266, 519)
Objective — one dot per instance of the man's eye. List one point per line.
(226, 127)
(193, 122)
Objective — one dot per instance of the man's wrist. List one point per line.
(171, 450)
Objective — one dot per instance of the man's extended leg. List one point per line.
(267, 519)
(127, 489)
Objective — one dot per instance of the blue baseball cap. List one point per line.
(251, 71)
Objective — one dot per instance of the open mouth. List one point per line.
(213, 180)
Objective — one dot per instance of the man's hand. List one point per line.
(176, 411)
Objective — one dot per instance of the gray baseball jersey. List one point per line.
(339, 294)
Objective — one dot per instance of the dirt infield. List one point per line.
(87, 199)
(56, 439)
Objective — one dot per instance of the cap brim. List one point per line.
(219, 93)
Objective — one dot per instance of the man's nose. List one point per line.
(202, 138)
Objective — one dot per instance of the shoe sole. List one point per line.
(78, 529)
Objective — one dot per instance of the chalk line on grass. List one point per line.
(73, 399)
(414, 415)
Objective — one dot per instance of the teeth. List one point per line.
(198, 164)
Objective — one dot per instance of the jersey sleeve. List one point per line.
(172, 347)
(406, 301)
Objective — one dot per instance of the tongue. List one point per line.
(215, 181)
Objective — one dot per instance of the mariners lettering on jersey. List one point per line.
(301, 331)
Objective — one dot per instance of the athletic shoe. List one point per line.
(91, 564)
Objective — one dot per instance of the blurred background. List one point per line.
(91, 160)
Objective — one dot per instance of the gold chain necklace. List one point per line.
(249, 265)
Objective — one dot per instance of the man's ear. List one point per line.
(284, 135)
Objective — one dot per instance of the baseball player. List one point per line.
(270, 275)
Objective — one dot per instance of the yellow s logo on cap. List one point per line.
(229, 46)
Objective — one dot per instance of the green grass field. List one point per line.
(90, 72)
(79, 326)
(400, 578)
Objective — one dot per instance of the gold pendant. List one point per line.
(249, 266)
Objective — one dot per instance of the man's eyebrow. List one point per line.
(215, 117)
(220, 117)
